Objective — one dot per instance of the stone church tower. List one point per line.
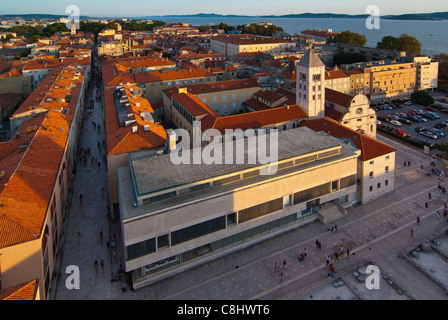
(310, 90)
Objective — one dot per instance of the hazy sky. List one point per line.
(131, 8)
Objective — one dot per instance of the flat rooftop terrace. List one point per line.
(298, 150)
(153, 174)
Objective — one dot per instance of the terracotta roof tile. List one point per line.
(23, 291)
(370, 148)
(338, 97)
(120, 138)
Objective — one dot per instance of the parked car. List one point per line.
(438, 132)
(444, 110)
(430, 108)
(420, 129)
(441, 126)
(395, 122)
(420, 119)
(429, 134)
(406, 121)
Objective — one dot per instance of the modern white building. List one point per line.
(174, 217)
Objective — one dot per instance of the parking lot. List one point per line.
(417, 122)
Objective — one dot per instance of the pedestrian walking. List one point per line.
(281, 276)
(412, 232)
(418, 219)
(327, 260)
(305, 252)
(348, 252)
(426, 205)
(336, 256)
(341, 249)
(317, 243)
(284, 264)
(438, 214)
(332, 227)
(336, 228)
(429, 196)
(319, 246)
(275, 266)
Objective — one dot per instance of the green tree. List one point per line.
(34, 39)
(443, 65)
(410, 44)
(388, 43)
(422, 97)
(403, 43)
(348, 37)
(348, 58)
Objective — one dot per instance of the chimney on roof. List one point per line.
(171, 141)
(134, 129)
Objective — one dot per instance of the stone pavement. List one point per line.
(378, 232)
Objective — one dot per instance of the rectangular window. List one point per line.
(140, 249)
(198, 230)
(163, 241)
(334, 185)
(260, 210)
(348, 181)
(231, 219)
(287, 200)
(312, 193)
(371, 175)
(386, 169)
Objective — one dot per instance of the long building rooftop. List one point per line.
(155, 182)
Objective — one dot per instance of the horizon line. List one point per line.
(218, 14)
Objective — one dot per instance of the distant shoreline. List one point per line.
(435, 16)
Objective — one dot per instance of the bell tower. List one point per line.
(310, 85)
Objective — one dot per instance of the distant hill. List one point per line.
(420, 16)
(411, 16)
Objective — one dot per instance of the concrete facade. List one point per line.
(278, 197)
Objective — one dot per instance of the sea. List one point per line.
(431, 33)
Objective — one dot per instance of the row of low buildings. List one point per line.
(36, 169)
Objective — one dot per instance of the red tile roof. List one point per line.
(338, 97)
(23, 291)
(120, 138)
(216, 86)
(336, 74)
(260, 119)
(370, 148)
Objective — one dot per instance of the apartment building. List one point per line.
(359, 82)
(230, 45)
(174, 217)
(427, 73)
(225, 97)
(338, 80)
(185, 111)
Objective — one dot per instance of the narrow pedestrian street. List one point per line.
(91, 237)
